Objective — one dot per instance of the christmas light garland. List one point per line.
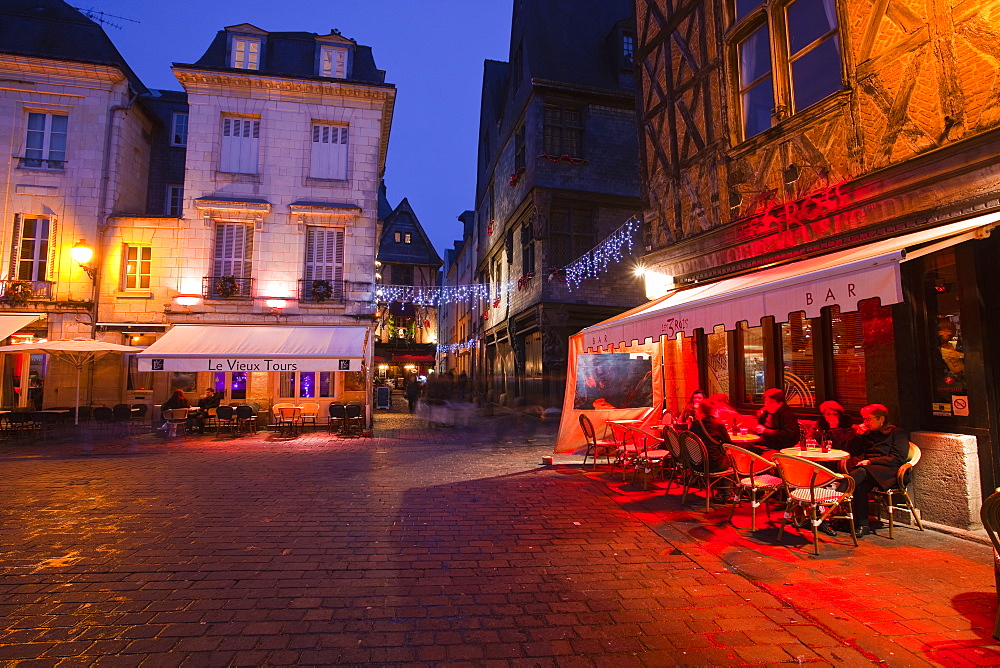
(618, 245)
(456, 347)
(596, 261)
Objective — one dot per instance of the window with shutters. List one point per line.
(231, 258)
(245, 53)
(563, 131)
(137, 261)
(179, 130)
(328, 158)
(527, 250)
(45, 141)
(240, 144)
(333, 62)
(324, 266)
(402, 274)
(30, 256)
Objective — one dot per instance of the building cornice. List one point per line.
(32, 71)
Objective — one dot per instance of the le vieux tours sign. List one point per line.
(248, 365)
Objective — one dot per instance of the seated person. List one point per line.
(777, 424)
(690, 411)
(834, 425)
(176, 400)
(877, 452)
(196, 419)
(709, 428)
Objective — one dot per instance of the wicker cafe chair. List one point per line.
(650, 455)
(884, 498)
(246, 419)
(176, 419)
(694, 458)
(753, 475)
(990, 515)
(595, 448)
(811, 487)
(671, 438)
(625, 448)
(225, 416)
(338, 417)
(355, 419)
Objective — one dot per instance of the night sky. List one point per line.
(432, 50)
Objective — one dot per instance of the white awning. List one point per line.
(843, 279)
(10, 323)
(256, 348)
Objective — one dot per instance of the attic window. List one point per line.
(245, 53)
(333, 62)
(628, 49)
(397, 237)
(407, 238)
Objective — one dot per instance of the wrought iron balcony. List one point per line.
(321, 290)
(227, 287)
(18, 292)
(40, 163)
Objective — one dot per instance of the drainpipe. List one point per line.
(103, 208)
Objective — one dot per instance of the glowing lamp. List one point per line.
(276, 304)
(187, 300)
(82, 254)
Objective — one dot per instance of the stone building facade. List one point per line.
(780, 133)
(556, 175)
(248, 199)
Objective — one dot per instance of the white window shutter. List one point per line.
(240, 143)
(325, 257)
(328, 159)
(232, 257)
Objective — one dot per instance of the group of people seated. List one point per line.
(877, 448)
(196, 418)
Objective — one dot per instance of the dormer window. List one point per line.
(333, 62)
(628, 49)
(245, 53)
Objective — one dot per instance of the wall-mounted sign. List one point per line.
(960, 405)
(231, 364)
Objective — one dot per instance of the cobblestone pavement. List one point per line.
(426, 545)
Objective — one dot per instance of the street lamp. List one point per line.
(82, 254)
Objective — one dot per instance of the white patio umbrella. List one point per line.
(78, 352)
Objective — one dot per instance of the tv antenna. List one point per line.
(103, 17)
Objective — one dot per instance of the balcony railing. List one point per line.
(227, 287)
(17, 292)
(40, 163)
(320, 291)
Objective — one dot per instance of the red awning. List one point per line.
(413, 358)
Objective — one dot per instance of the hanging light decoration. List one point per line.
(596, 261)
(457, 347)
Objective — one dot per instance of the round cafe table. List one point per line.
(816, 454)
(744, 439)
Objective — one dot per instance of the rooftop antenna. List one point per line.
(103, 17)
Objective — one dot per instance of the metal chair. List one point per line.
(650, 455)
(697, 467)
(595, 448)
(246, 418)
(671, 438)
(176, 419)
(139, 413)
(883, 497)
(225, 416)
(310, 413)
(625, 448)
(990, 515)
(122, 418)
(355, 418)
(811, 487)
(105, 418)
(752, 475)
(338, 417)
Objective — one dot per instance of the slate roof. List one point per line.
(420, 250)
(291, 54)
(54, 30)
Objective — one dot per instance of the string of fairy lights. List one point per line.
(458, 347)
(590, 266)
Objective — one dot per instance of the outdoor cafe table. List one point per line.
(624, 423)
(816, 454)
(744, 439)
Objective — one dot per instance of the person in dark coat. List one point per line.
(876, 455)
(777, 424)
(713, 433)
(176, 400)
(208, 401)
(834, 425)
(412, 393)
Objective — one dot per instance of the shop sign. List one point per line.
(236, 364)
